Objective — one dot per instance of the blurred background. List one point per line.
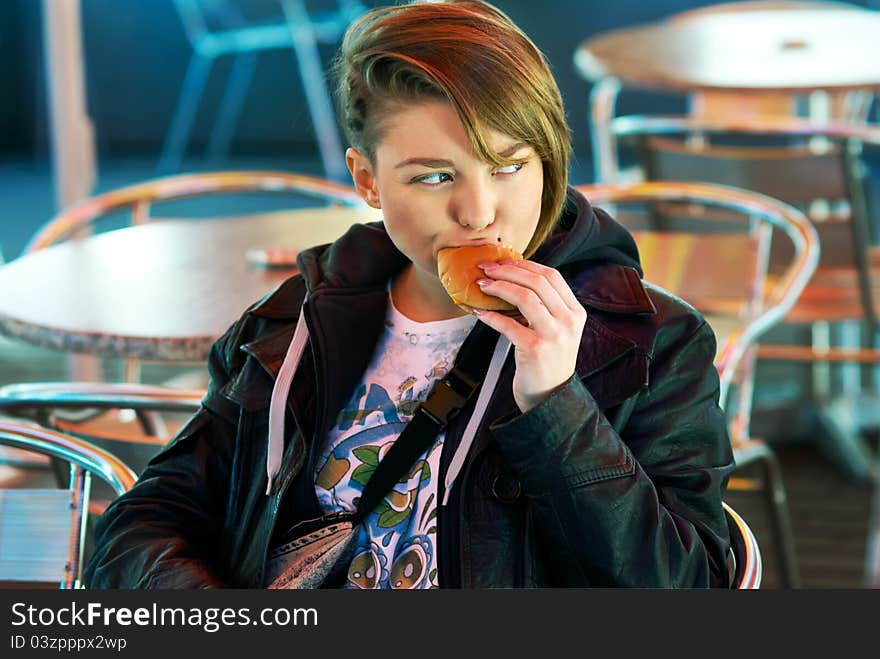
(154, 109)
(135, 59)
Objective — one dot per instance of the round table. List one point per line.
(744, 58)
(799, 48)
(161, 291)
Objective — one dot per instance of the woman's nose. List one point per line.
(475, 205)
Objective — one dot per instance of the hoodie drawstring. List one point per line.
(281, 390)
(278, 402)
(502, 348)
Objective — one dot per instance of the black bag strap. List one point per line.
(446, 399)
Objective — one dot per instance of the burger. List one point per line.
(458, 271)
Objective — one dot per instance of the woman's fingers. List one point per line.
(526, 300)
(546, 349)
(540, 293)
(521, 287)
(519, 271)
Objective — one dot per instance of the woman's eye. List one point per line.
(433, 179)
(509, 169)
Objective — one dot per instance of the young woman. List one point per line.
(601, 457)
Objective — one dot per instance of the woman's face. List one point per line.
(435, 192)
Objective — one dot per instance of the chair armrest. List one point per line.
(32, 437)
(780, 126)
(101, 395)
(746, 552)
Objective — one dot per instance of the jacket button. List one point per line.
(506, 488)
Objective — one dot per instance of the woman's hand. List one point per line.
(546, 349)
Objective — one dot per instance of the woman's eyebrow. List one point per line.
(440, 162)
(424, 162)
(512, 149)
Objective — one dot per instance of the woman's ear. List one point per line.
(362, 175)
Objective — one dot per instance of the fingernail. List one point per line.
(483, 282)
(486, 266)
(478, 312)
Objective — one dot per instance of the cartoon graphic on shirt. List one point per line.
(408, 569)
(332, 472)
(352, 463)
(367, 569)
(438, 370)
(404, 391)
(376, 401)
(395, 547)
(336, 467)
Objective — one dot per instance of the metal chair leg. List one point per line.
(821, 340)
(752, 451)
(839, 423)
(872, 546)
(603, 98)
(782, 529)
(308, 60)
(230, 106)
(850, 332)
(184, 115)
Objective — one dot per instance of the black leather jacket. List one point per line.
(615, 480)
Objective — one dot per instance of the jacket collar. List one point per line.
(611, 289)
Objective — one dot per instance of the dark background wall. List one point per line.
(137, 52)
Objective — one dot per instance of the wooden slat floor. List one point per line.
(830, 518)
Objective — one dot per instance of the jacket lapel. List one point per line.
(611, 365)
(344, 327)
(611, 288)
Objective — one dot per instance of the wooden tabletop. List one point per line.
(793, 49)
(160, 291)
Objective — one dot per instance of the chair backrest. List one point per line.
(816, 167)
(107, 395)
(215, 21)
(745, 554)
(140, 198)
(71, 407)
(42, 531)
(722, 274)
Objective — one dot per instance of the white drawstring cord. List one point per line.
(281, 388)
(502, 348)
(278, 402)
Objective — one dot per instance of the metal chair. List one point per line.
(147, 416)
(723, 275)
(217, 28)
(140, 197)
(819, 168)
(745, 554)
(42, 531)
(143, 202)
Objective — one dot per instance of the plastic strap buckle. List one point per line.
(449, 396)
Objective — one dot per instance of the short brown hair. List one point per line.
(472, 55)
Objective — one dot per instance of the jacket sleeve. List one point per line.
(163, 532)
(641, 507)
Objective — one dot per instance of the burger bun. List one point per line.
(458, 271)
